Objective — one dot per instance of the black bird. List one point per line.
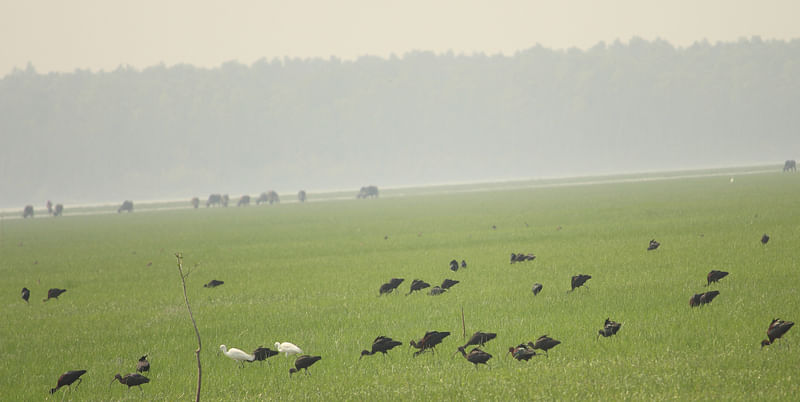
(303, 362)
(715, 276)
(544, 343)
(429, 341)
(454, 265)
(26, 294)
(381, 344)
(131, 380)
(436, 291)
(54, 293)
(776, 330)
(694, 301)
(463, 264)
(609, 328)
(475, 356)
(579, 280)
(522, 257)
(143, 365)
(262, 353)
(68, 378)
(764, 239)
(653, 245)
(449, 283)
(418, 285)
(703, 298)
(390, 286)
(537, 287)
(479, 338)
(513, 258)
(214, 283)
(522, 352)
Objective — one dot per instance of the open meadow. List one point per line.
(310, 273)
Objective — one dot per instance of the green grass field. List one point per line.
(310, 273)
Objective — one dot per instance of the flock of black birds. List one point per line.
(383, 344)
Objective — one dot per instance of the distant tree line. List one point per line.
(420, 118)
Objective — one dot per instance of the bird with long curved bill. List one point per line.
(68, 378)
(213, 283)
(522, 352)
(777, 328)
(480, 338)
(429, 341)
(417, 284)
(715, 276)
(131, 380)
(303, 363)
(262, 353)
(545, 343)
(475, 356)
(54, 293)
(381, 344)
(579, 280)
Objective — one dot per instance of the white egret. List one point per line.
(288, 348)
(237, 354)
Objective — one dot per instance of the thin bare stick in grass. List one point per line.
(196, 331)
(463, 326)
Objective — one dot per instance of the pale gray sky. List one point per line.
(61, 35)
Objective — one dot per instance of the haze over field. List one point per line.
(190, 98)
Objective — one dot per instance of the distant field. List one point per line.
(309, 273)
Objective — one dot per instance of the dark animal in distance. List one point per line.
(436, 290)
(301, 196)
(475, 356)
(715, 276)
(143, 365)
(381, 344)
(59, 210)
(367, 192)
(28, 211)
(261, 353)
(214, 200)
(764, 239)
(54, 293)
(463, 264)
(454, 265)
(522, 352)
(703, 298)
(790, 165)
(537, 287)
(545, 343)
(26, 294)
(429, 341)
(449, 283)
(225, 200)
(195, 202)
(777, 328)
(522, 257)
(479, 338)
(67, 379)
(609, 328)
(303, 363)
(244, 201)
(579, 280)
(417, 284)
(390, 286)
(653, 245)
(127, 206)
(214, 283)
(131, 380)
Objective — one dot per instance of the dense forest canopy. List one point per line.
(286, 124)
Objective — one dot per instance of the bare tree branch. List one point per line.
(179, 256)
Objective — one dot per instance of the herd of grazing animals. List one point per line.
(382, 344)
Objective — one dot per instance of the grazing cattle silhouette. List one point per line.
(790, 165)
(270, 197)
(301, 196)
(59, 210)
(368, 192)
(214, 200)
(776, 330)
(195, 202)
(28, 211)
(715, 276)
(225, 200)
(127, 206)
(244, 201)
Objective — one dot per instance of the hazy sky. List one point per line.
(61, 35)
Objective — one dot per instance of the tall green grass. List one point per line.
(310, 273)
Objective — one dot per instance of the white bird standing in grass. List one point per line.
(237, 354)
(288, 348)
